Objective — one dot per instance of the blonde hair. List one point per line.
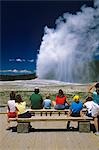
(76, 98)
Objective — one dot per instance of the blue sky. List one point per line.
(22, 29)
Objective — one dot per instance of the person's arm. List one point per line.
(67, 101)
(30, 103)
(16, 112)
(8, 108)
(69, 112)
(81, 114)
(92, 88)
(42, 99)
(84, 105)
(53, 102)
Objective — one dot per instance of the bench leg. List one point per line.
(98, 122)
(84, 126)
(23, 127)
(68, 125)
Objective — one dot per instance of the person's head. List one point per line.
(19, 98)
(47, 96)
(89, 99)
(60, 92)
(76, 98)
(97, 88)
(36, 90)
(12, 95)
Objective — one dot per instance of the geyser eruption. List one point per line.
(67, 50)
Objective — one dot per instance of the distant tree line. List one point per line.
(17, 77)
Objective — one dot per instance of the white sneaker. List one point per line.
(97, 133)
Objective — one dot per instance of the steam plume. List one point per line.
(67, 50)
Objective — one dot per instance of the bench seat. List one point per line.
(23, 123)
(51, 118)
(51, 110)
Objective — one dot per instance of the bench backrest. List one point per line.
(52, 118)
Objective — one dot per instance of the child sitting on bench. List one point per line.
(75, 109)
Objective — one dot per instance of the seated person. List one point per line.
(95, 115)
(61, 101)
(47, 102)
(94, 90)
(88, 104)
(93, 111)
(76, 107)
(11, 108)
(21, 108)
(36, 99)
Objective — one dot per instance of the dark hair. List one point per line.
(19, 98)
(36, 90)
(12, 95)
(89, 99)
(60, 92)
(97, 85)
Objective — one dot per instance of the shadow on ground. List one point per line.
(71, 129)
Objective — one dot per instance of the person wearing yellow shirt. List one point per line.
(21, 108)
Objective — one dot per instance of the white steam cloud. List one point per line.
(66, 50)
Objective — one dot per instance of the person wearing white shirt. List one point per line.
(11, 108)
(93, 111)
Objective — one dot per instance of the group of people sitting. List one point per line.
(17, 107)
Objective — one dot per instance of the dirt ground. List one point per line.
(46, 136)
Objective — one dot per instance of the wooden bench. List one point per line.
(47, 111)
(50, 112)
(51, 115)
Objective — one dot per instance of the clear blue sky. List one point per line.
(22, 28)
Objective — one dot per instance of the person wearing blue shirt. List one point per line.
(75, 109)
(47, 102)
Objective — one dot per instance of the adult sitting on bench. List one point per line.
(36, 99)
(94, 90)
(93, 111)
(11, 108)
(61, 101)
(21, 108)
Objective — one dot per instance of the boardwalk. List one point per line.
(47, 136)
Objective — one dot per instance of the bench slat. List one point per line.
(51, 110)
(48, 118)
(47, 110)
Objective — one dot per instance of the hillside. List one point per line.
(17, 77)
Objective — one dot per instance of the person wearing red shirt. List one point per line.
(61, 101)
